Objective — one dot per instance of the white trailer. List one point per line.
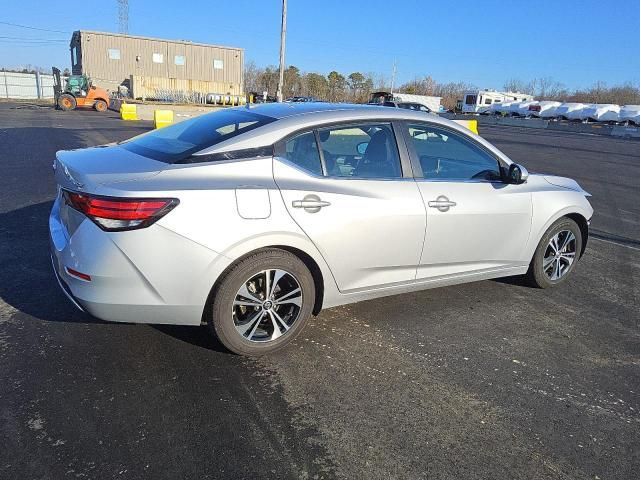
(480, 101)
(630, 113)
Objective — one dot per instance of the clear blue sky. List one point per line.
(483, 42)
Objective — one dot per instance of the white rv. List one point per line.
(479, 101)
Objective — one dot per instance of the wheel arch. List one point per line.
(576, 212)
(304, 257)
(583, 223)
(315, 270)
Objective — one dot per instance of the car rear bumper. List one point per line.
(135, 277)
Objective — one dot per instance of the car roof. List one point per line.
(299, 116)
(288, 109)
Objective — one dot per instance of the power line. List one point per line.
(23, 39)
(33, 28)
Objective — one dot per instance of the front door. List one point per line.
(475, 221)
(352, 199)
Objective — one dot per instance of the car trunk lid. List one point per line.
(88, 168)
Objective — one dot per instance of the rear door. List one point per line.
(475, 221)
(355, 198)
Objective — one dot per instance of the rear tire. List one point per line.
(262, 303)
(100, 106)
(557, 254)
(67, 102)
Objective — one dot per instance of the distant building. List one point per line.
(147, 64)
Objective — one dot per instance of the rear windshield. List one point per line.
(179, 141)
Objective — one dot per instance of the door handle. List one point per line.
(442, 203)
(311, 203)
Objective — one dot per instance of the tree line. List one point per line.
(357, 86)
(549, 89)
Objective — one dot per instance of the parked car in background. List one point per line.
(409, 106)
(302, 99)
(261, 98)
(250, 220)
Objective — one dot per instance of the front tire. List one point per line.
(557, 254)
(262, 303)
(67, 102)
(100, 106)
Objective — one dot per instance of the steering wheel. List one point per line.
(484, 175)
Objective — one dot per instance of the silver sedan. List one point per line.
(250, 220)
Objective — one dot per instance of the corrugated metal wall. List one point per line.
(151, 87)
(137, 58)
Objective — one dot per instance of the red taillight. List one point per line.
(113, 214)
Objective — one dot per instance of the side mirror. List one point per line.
(517, 174)
(362, 147)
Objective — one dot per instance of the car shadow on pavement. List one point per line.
(27, 281)
(196, 336)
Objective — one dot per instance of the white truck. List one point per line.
(406, 100)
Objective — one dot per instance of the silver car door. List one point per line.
(475, 221)
(352, 200)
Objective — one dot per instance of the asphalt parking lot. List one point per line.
(490, 380)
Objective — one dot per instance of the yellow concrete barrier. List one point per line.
(162, 118)
(470, 124)
(128, 111)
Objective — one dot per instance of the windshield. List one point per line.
(179, 141)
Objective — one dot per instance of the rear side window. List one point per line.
(302, 151)
(360, 151)
(179, 141)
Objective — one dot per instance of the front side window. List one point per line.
(302, 151)
(366, 151)
(487, 101)
(448, 156)
(158, 58)
(114, 54)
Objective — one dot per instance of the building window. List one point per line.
(158, 58)
(218, 64)
(74, 56)
(114, 53)
(179, 60)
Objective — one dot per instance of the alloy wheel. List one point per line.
(267, 305)
(559, 255)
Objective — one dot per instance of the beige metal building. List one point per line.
(147, 64)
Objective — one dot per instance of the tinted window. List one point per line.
(177, 142)
(366, 151)
(471, 99)
(445, 155)
(303, 152)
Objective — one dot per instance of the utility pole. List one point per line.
(283, 35)
(123, 16)
(393, 76)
